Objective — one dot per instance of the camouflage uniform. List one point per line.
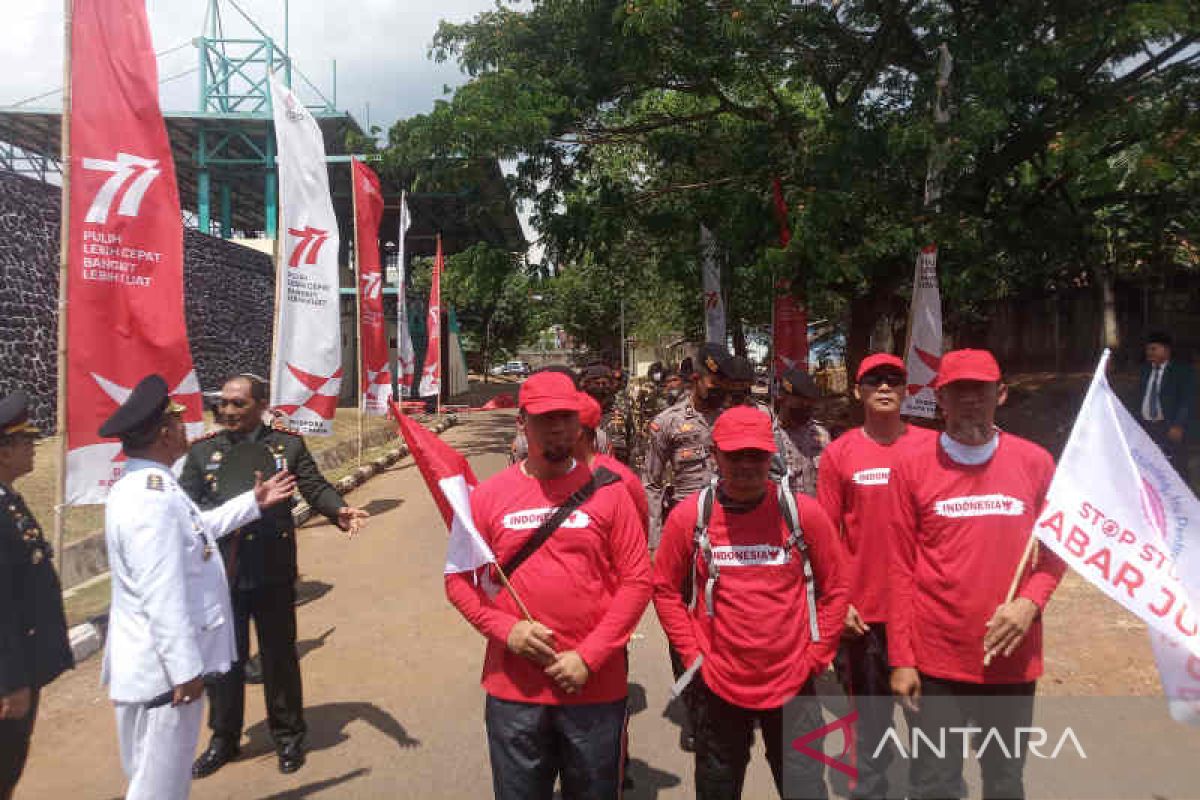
(680, 443)
(617, 423)
(802, 448)
(649, 401)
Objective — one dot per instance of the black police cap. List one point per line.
(738, 369)
(713, 358)
(798, 383)
(14, 415)
(145, 406)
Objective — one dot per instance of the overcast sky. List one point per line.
(380, 47)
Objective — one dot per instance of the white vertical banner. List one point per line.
(406, 359)
(923, 354)
(714, 306)
(1119, 514)
(306, 366)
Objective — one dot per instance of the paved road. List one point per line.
(391, 675)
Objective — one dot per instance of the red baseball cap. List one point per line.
(589, 411)
(967, 365)
(743, 428)
(877, 361)
(544, 392)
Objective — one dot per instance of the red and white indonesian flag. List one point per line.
(306, 368)
(924, 353)
(450, 480)
(406, 359)
(1120, 515)
(431, 376)
(124, 286)
(714, 305)
(376, 382)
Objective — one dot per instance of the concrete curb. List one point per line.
(87, 638)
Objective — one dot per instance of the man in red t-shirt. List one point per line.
(961, 654)
(855, 487)
(556, 687)
(747, 634)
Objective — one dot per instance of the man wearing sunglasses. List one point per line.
(856, 489)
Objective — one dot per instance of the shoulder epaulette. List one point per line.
(283, 427)
(205, 436)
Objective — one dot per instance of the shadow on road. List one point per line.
(648, 781)
(311, 789)
(379, 506)
(327, 727)
(306, 646)
(310, 590)
(637, 699)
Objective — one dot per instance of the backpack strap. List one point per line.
(702, 547)
(791, 515)
(601, 477)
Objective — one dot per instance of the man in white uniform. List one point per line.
(170, 621)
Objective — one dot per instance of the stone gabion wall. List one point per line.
(228, 291)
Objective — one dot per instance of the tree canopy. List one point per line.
(1069, 153)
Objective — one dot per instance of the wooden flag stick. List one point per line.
(60, 489)
(1030, 549)
(516, 597)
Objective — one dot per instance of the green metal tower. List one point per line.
(235, 133)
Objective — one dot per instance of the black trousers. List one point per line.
(1176, 452)
(862, 668)
(949, 704)
(725, 733)
(14, 747)
(532, 745)
(273, 609)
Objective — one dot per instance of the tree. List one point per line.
(489, 289)
(634, 121)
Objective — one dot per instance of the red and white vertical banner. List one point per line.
(923, 354)
(789, 318)
(125, 241)
(376, 381)
(406, 359)
(306, 366)
(431, 376)
(714, 305)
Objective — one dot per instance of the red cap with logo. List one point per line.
(879, 361)
(743, 428)
(589, 411)
(544, 392)
(967, 365)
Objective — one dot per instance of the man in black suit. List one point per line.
(1166, 399)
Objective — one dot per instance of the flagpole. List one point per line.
(357, 309)
(276, 378)
(516, 597)
(441, 372)
(60, 488)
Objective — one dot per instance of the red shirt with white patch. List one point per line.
(757, 648)
(855, 487)
(963, 530)
(589, 583)
(631, 482)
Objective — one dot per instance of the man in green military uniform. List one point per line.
(799, 437)
(34, 648)
(649, 400)
(604, 385)
(261, 560)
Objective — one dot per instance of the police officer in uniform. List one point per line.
(799, 437)
(170, 625)
(261, 559)
(34, 648)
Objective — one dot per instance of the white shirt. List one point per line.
(1153, 387)
(170, 618)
